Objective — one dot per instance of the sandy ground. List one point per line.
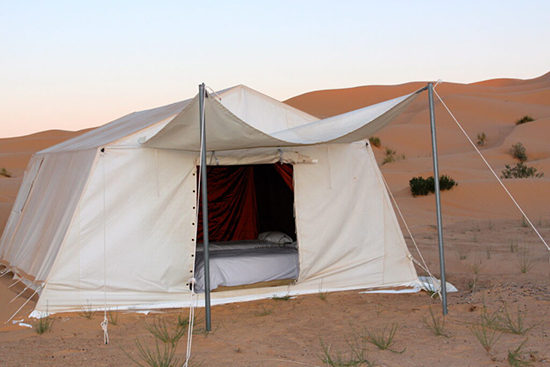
(483, 232)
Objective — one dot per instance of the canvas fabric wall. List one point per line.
(144, 257)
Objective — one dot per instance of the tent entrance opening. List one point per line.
(252, 229)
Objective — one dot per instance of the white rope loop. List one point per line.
(492, 171)
(104, 326)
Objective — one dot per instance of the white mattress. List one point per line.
(241, 245)
(235, 267)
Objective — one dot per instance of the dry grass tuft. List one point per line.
(43, 325)
(87, 311)
(357, 355)
(436, 324)
(382, 338)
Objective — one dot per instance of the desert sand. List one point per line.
(486, 242)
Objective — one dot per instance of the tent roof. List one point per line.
(263, 112)
(119, 128)
(240, 118)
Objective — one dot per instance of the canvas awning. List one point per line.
(226, 131)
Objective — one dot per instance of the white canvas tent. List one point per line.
(109, 218)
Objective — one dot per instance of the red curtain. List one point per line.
(286, 172)
(232, 202)
(232, 206)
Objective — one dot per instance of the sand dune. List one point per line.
(490, 107)
(518, 83)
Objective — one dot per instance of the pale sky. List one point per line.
(76, 64)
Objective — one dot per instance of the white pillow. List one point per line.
(275, 237)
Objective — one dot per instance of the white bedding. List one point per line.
(235, 267)
(242, 245)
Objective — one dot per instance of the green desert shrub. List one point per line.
(524, 119)
(419, 186)
(515, 358)
(375, 141)
(518, 151)
(391, 156)
(520, 170)
(481, 137)
(423, 186)
(446, 182)
(384, 338)
(486, 336)
(357, 355)
(43, 325)
(4, 172)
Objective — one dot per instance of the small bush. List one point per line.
(435, 324)
(525, 261)
(475, 268)
(423, 186)
(462, 253)
(487, 337)
(4, 172)
(520, 170)
(167, 333)
(446, 183)
(391, 156)
(183, 320)
(113, 317)
(43, 325)
(513, 324)
(505, 321)
(265, 312)
(514, 357)
(524, 119)
(518, 151)
(382, 338)
(87, 311)
(513, 245)
(356, 357)
(419, 186)
(524, 222)
(167, 337)
(164, 356)
(375, 141)
(488, 318)
(481, 137)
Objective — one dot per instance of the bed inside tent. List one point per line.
(252, 230)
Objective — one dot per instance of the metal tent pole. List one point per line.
(204, 193)
(438, 201)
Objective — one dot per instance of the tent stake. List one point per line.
(438, 201)
(204, 193)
